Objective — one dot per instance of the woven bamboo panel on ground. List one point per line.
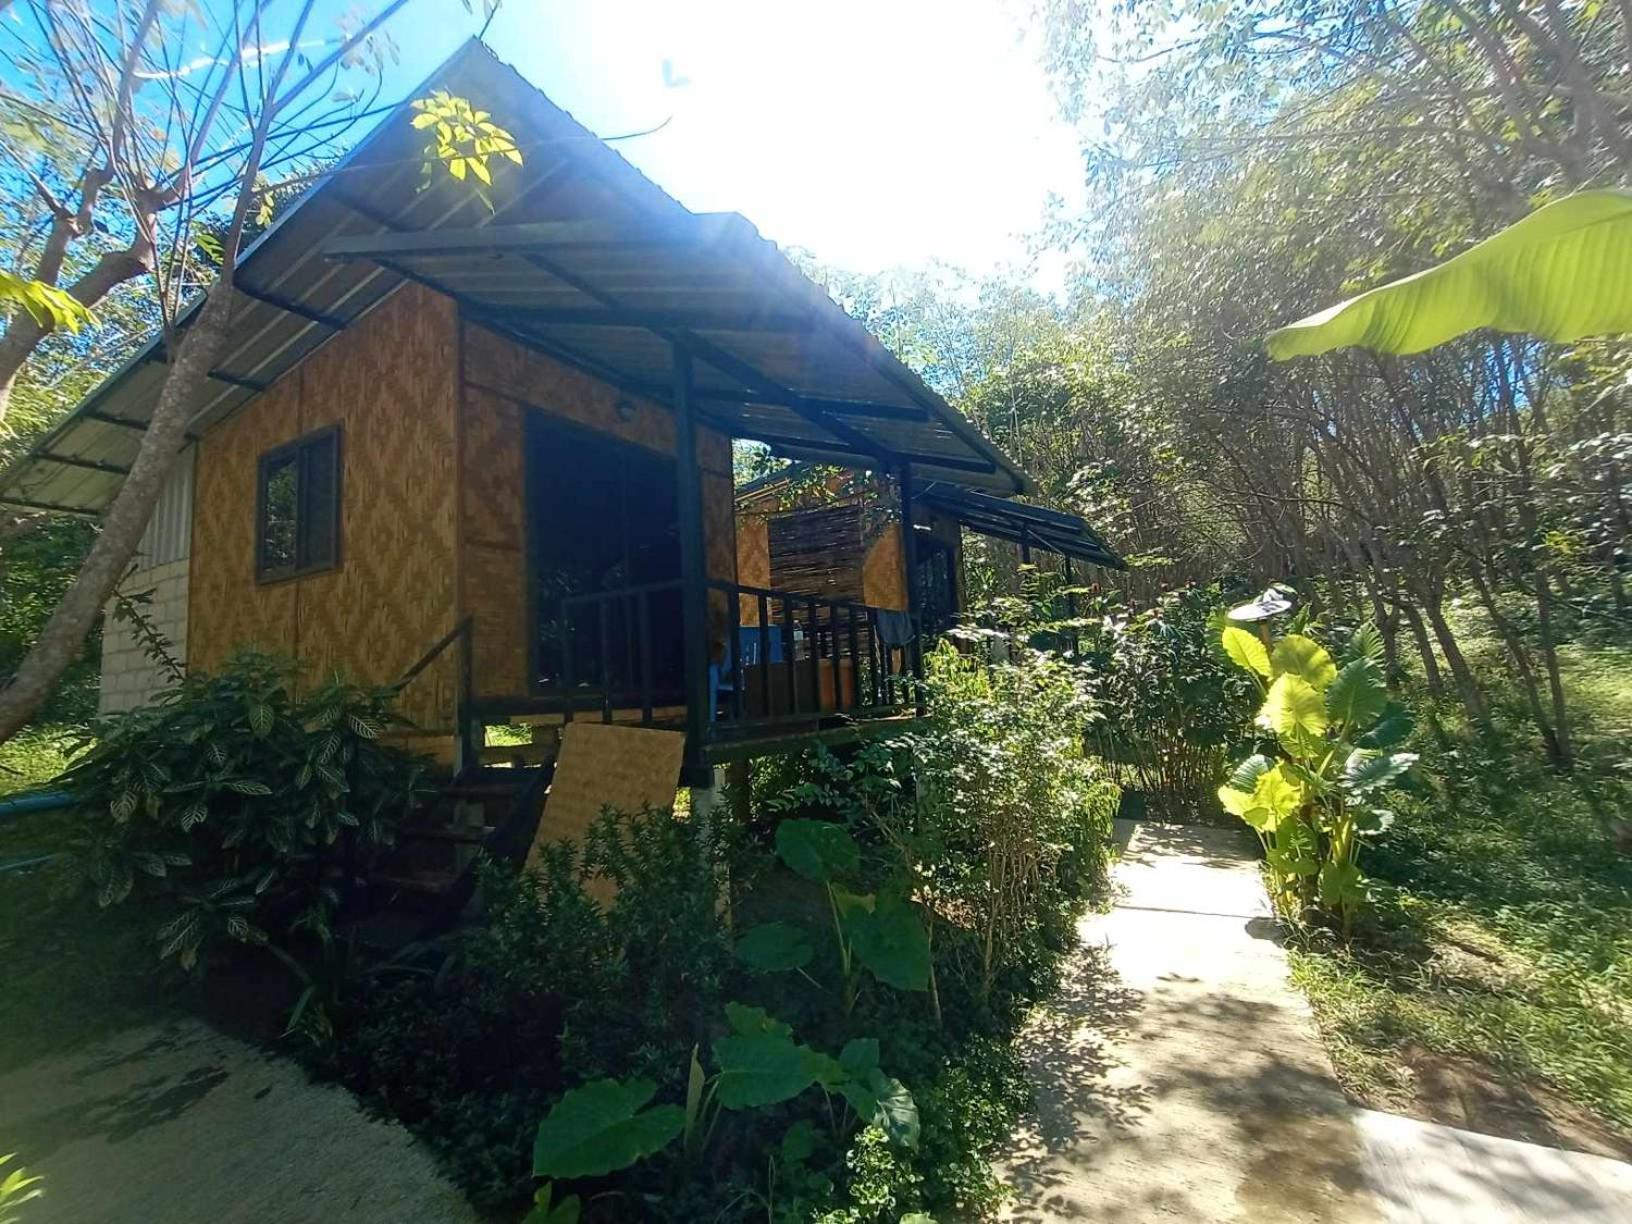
(603, 765)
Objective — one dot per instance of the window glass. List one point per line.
(299, 502)
(279, 492)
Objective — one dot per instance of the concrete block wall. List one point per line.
(129, 677)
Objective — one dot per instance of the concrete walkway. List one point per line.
(176, 1123)
(1179, 1077)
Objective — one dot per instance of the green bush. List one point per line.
(231, 800)
(552, 989)
(897, 904)
(1169, 708)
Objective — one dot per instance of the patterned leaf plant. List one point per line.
(1314, 800)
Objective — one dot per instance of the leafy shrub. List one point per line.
(1317, 797)
(234, 800)
(16, 1188)
(1169, 708)
(551, 990)
(1011, 819)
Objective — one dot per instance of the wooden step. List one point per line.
(428, 883)
(472, 835)
(485, 790)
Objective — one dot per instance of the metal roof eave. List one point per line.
(495, 271)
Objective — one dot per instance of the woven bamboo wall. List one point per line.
(883, 572)
(503, 381)
(389, 383)
(753, 560)
(493, 540)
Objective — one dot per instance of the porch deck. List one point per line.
(784, 670)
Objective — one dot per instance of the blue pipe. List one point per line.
(34, 801)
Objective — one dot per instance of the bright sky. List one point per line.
(877, 133)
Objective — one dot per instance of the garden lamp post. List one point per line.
(1259, 612)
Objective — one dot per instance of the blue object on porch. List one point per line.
(720, 677)
(894, 628)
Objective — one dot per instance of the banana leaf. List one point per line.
(1562, 273)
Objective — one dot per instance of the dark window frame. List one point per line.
(300, 449)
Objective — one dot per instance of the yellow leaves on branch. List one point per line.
(463, 139)
(46, 304)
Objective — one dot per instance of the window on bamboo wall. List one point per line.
(297, 515)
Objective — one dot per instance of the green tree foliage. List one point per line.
(1254, 163)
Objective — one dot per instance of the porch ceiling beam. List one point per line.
(655, 320)
(47, 507)
(289, 306)
(90, 465)
(159, 357)
(107, 418)
(721, 360)
(855, 408)
(527, 237)
(773, 439)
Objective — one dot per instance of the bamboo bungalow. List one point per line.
(487, 446)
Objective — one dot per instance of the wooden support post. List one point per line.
(693, 569)
(1025, 545)
(909, 558)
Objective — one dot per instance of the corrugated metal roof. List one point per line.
(1049, 530)
(775, 359)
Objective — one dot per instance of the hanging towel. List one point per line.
(894, 628)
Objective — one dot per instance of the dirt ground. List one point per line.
(173, 1123)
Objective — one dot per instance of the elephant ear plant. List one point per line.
(882, 933)
(608, 1125)
(1315, 799)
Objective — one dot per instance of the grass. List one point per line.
(70, 972)
(1503, 928)
(34, 756)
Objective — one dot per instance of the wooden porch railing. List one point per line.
(790, 658)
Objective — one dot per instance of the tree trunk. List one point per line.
(1425, 651)
(1466, 686)
(1521, 665)
(126, 519)
(24, 334)
(1549, 657)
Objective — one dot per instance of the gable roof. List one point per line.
(581, 257)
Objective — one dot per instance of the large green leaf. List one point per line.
(603, 1127)
(884, 1102)
(817, 849)
(1246, 650)
(761, 1069)
(1367, 769)
(1293, 708)
(1391, 728)
(774, 947)
(1358, 694)
(1562, 273)
(753, 1021)
(1275, 796)
(891, 941)
(1306, 658)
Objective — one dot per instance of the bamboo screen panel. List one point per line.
(819, 552)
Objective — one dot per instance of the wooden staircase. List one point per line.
(420, 888)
